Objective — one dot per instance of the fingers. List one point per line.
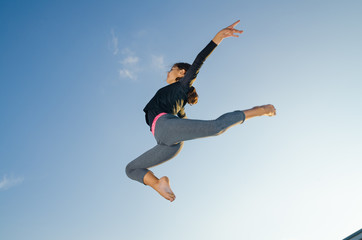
(234, 24)
(228, 32)
(233, 32)
(237, 31)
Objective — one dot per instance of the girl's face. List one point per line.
(174, 73)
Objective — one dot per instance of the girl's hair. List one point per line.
(192, 96)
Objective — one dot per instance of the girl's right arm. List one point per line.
(194, 69)
(191, 74)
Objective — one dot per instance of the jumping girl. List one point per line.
(167, 119)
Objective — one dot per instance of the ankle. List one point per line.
(150, 179)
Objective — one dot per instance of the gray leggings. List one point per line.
(171, 131)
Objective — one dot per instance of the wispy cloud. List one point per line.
(131, 64)
(130, 60)
(114, 43)
(8, 182)
(158, 62)
(126, 73)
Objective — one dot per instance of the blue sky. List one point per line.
(75, 77)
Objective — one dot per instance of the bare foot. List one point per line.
(163, 188)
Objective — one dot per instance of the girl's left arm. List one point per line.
(229, 31)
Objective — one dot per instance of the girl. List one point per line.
(170, 130)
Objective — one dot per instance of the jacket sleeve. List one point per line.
(194, 69)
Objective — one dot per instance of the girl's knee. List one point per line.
(218, 128)
(227, 120)
(128, 170)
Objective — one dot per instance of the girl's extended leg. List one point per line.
(171, 129)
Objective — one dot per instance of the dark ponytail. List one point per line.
(192, 96)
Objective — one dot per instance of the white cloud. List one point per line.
(126, 73)
(130, 60)
(158, 62)
(8, 182)
(114, 43)
(127, 51)
(130, 64)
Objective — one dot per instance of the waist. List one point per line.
(154, 122)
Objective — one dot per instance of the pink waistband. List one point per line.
(154, 122)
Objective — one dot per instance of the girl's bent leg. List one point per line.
(138, 168)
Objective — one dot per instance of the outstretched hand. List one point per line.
(229, 31)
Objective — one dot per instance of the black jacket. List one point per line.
(173, 98)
